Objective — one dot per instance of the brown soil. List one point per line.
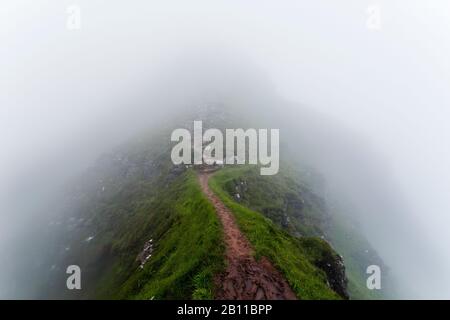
(244, 278)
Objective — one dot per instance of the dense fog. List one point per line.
(360, 88)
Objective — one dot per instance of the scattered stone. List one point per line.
(145, 254)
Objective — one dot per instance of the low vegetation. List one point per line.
(291, 202)
(290, 255)
(189, 251)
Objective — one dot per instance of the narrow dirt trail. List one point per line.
(245, 278)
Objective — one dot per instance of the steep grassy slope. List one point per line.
(296, 258)
(188, 254)
(132, 195)
(290, 202)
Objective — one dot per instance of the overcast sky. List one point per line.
(379, 68)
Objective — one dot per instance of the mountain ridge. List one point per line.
(135, 194)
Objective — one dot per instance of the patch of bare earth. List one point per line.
(244, 278)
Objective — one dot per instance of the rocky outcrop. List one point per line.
(325, 258)
(145, 254)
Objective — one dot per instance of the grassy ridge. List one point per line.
(289, 201)
(187, 255)
(290, 255)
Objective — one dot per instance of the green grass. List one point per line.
(287, 253)
(278, 197)
(273, 196)
(144, 198)
(188, 253)
(188, 239)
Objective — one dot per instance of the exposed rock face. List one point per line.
(325, 258)
(334, 268)
(145, 254)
